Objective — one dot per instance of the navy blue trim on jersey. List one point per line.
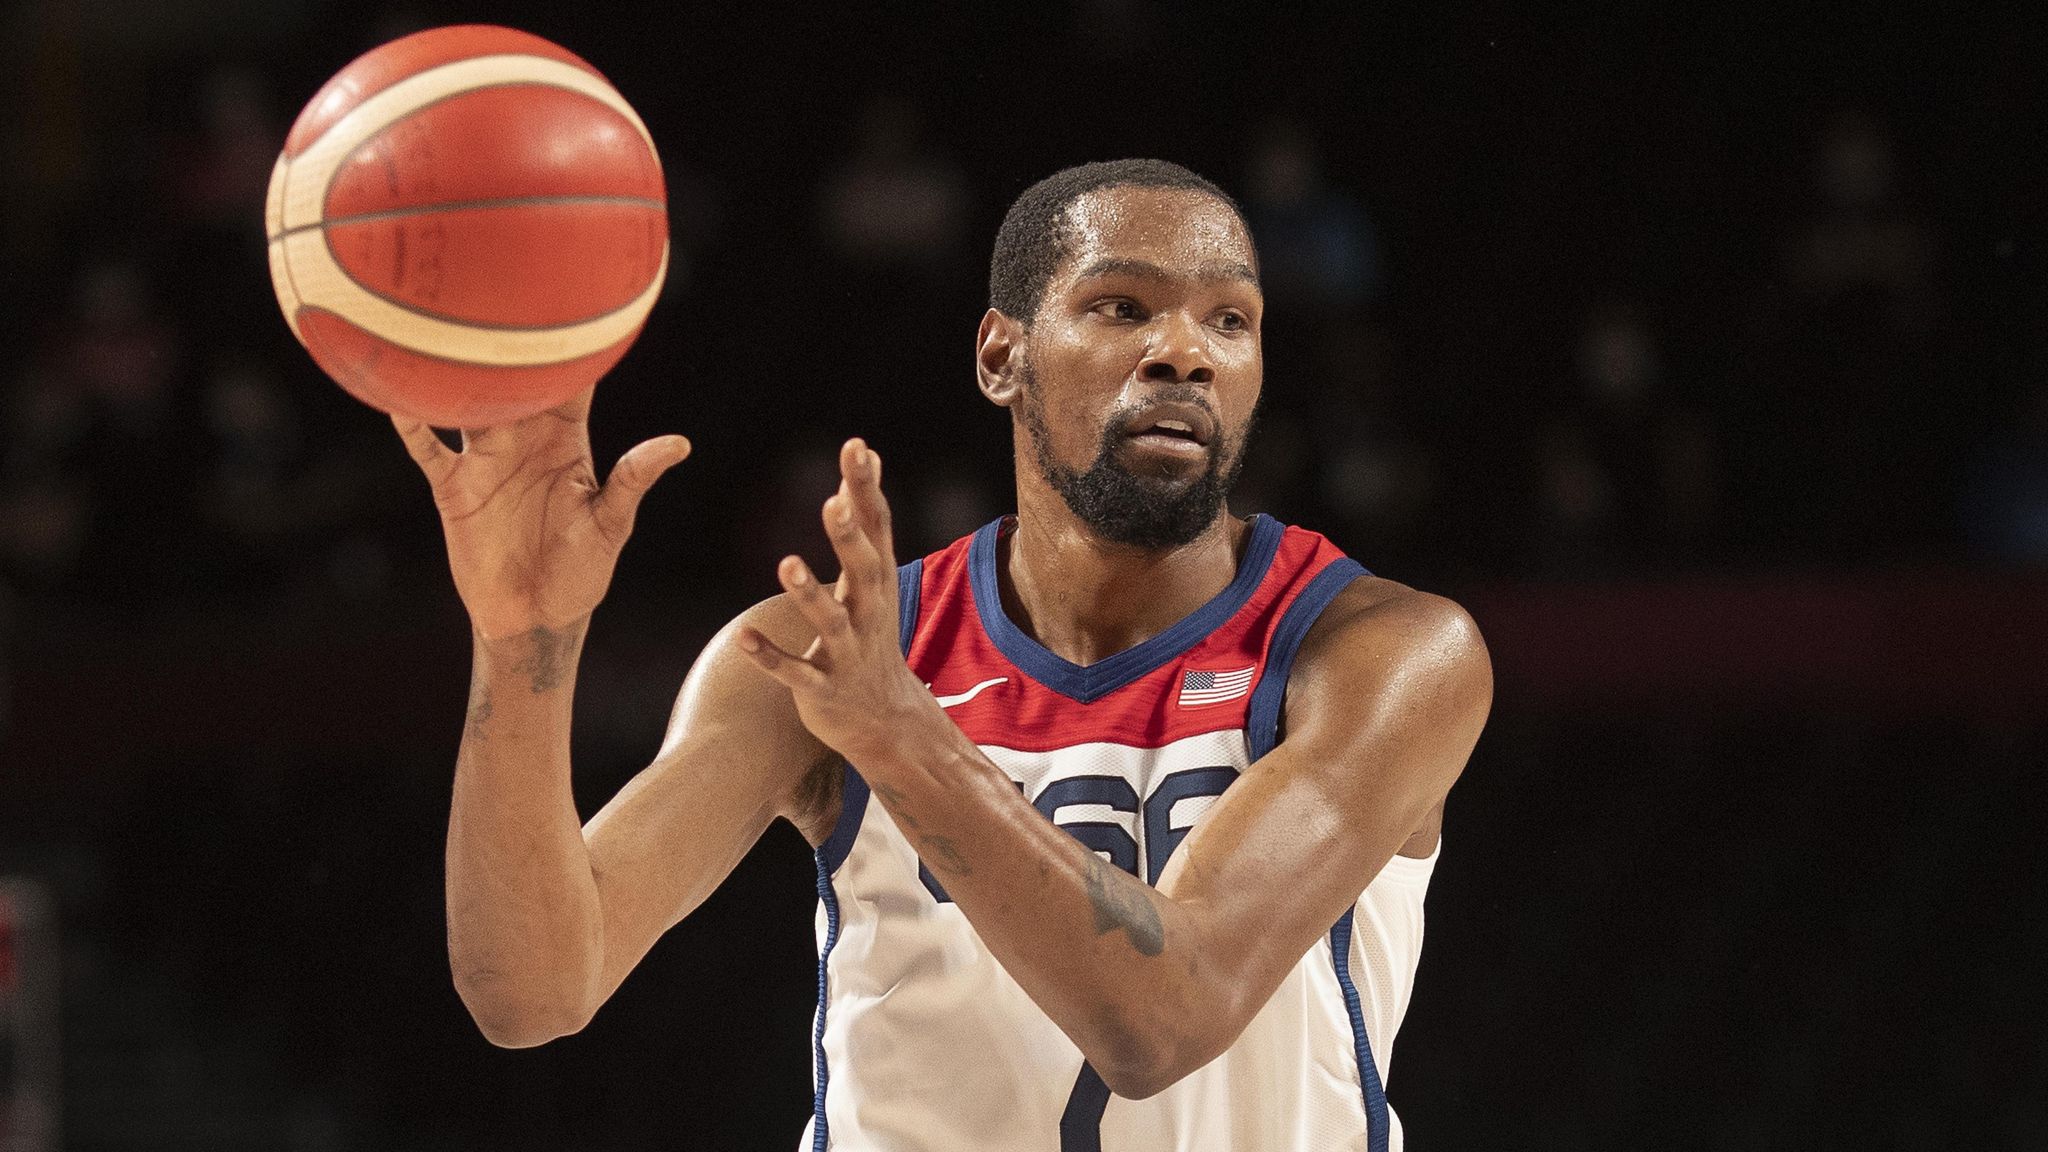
(1262, 717)
(853, 806)
(1088, 683)
(909, 589)
(853, 797)
(1368, 1072)
(1081, 1121)
(1262, 724)
(820, 1130)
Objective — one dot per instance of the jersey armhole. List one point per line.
(853, 795)
(1262, 720)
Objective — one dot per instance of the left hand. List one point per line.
(852, 688)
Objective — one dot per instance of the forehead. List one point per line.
(1174, 228)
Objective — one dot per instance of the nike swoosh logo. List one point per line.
(971, 693)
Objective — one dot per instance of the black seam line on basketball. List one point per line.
(327, 187)
(498, 202)
(298, 301)
(327, 241)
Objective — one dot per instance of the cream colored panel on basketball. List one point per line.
(931, 1046)
(304, 271)
(320, 283)
(312, 170)
(273, 199)
(273, 223)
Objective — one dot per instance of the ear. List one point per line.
(995, 347)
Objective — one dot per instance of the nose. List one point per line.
(1179, 351)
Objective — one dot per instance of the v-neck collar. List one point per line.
(1090, 682)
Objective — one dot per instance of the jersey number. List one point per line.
(1081, 1122)
(1109, 838)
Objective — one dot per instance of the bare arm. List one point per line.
(545, 918)
(1390, 692)
(736, 756)
(524, 932)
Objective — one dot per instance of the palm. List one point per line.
(532, 537)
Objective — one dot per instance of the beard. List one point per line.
(1124, 506)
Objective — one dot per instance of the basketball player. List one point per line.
(1124, 807)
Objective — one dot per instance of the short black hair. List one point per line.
(1034, 236)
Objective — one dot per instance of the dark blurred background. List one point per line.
(1696, 350)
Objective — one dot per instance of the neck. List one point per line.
(1085, 598)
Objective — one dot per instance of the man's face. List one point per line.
(1141, 372)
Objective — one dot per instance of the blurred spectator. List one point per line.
(1862, 240)
(897, 201)
(119, 351)
(1627, 476)
(1689, 465)
(1617, 363)
(1577, 522)
(288, 508)
(2006, 503)
(45, 501)
(1375, 476)
(256, 439)
(221, 172)
(1318, 252)
(1838, 458)
(44, 125)
(89, 456)
(1663, 456)
(208, 227)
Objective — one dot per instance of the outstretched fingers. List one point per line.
(823, 611)
(860, 468)
(791, 670)
(856, 521)
(618, 502)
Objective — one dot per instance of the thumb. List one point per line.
(631, 477)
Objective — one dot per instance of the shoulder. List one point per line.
(730, 676)
(728, 703)
(1380, 636)
(778, 619)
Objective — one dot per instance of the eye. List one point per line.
(1119, 309)
(1232, 321)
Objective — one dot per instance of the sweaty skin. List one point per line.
(1157, 298)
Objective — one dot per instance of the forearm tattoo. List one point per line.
(1120, 902)
(938, 851)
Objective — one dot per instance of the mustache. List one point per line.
(1171, 394)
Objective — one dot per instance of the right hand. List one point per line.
(532, 539)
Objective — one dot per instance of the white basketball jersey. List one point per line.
(924, 1042)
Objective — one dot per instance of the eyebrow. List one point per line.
(1221, 270)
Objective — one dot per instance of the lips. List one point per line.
(1173, 421)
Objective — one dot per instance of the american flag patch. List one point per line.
(1211, 687)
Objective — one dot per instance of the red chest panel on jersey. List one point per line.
(1002, 688)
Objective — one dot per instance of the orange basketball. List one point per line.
(468, 225)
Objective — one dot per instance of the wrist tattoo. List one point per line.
(553, 656)
(1119, 904)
